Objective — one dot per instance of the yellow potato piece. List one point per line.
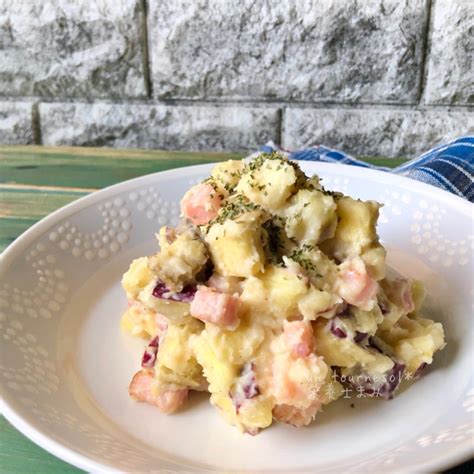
(414, 340)
(178, 263)
(137, 277)
(356, 230)
(275, 292)
(219, 373)
(176, 362)
(310, 217)
(340, 352)
(314, 302)
(269, 185)
(226, 175)
(139, 322)
(236, 247)
(236, 346)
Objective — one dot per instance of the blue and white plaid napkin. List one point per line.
(449, 166)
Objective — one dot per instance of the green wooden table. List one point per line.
(35, 181)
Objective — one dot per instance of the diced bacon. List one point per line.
(294, 379)
(215, 307)
(299, 337)
(284, 387)
(355, 286)
(399, 292)
(201, 204)
(171, 400)
(296, 416)
(141, 389)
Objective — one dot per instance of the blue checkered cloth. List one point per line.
(449, 166)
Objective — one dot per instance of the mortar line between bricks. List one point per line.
(283, 125)
(36, 124)
(243, 103)
(146, 50)
(426, 48)
(279, 131)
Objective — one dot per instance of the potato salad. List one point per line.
(272, 296)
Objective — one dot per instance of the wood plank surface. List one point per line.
(92, 167)
(20, 455)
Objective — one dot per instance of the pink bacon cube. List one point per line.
(355, 285)
(298, 337)
(212, 306)
(201, 204)
(141, 389)
(296, 416)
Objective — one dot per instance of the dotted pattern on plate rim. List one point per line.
(394, 204)
(106, 241)
(157, 209)
(37, 373)
(425, 231)
(335, 184)
(49, 293)
(429, 241)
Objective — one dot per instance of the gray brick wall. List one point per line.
(379, 77)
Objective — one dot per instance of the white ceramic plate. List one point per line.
(66, 365)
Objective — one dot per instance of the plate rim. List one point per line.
(451, 457)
